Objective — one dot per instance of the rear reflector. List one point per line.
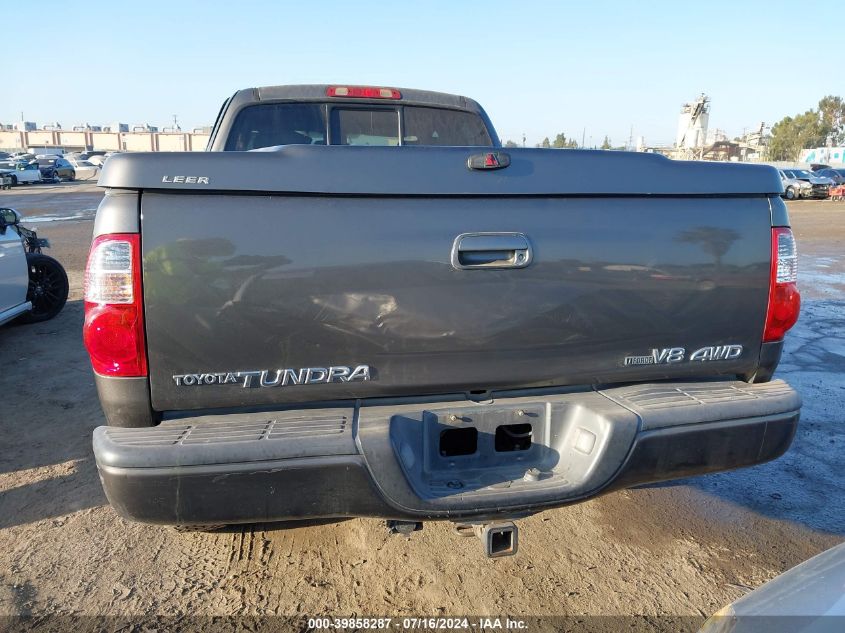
(114, 319)
(784, 298)
(363, 92)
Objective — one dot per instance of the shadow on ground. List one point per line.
(49, 410)
(806, 485)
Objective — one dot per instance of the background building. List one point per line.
(115, 137)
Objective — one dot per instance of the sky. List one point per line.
(587, 69)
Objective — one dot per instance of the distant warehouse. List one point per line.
(115, 137)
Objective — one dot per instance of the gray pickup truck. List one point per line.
(379, 312)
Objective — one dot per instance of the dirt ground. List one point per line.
(680, 549)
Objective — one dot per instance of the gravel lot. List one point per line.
(682, 549)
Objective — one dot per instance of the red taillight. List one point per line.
(114, 318)
(784, 298)
(363, 92)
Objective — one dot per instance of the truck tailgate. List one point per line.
(238, 283)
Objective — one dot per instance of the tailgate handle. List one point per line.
(491, 250)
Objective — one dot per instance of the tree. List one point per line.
(545, 142)
(510, 144)
(791, 135)
(562, 142)
(606, 143)
(832, 114)
(812, 129)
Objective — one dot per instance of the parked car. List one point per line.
(84, 169)
(47, 169)
(809, 598)
(432, 329)
(820, 186)
(836, 175)
(98, 159)
(101, 158)
(58, 168)
(22, 172)
(65, 169)
(793, 188)
(33, 286)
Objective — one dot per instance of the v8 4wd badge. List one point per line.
(672, 355)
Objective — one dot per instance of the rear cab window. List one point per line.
(365, 126)
(271, 124)
(436, 126)
(268, 125)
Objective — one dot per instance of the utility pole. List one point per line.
(176, 124)
(583, 133)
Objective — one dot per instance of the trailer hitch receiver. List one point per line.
(498, 539)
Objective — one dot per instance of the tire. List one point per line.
(48, 288)
(14, 181)
(790, 193)
(72, 176)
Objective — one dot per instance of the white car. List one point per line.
(98, 160)
(794, 189)
(22, 173)
(33, 286)
(809, 598)
(84, 169)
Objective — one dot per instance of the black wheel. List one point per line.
(791, 193)
(72, 176)
(48, 288)
(14, 181)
